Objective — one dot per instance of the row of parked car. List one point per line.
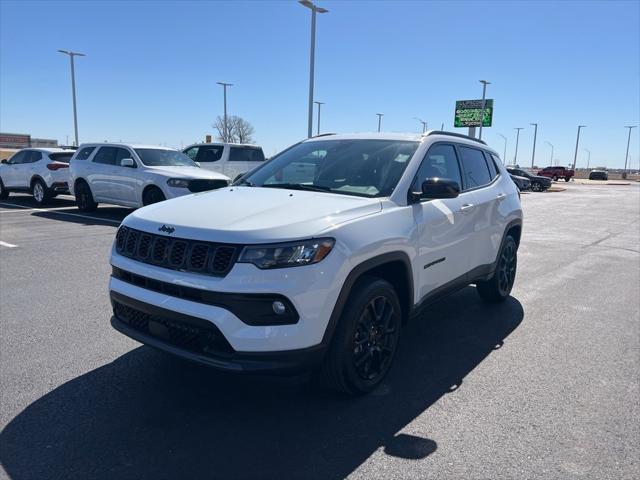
(124, 174)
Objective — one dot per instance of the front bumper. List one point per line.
(199, 341)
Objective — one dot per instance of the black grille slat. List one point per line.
(204, 185)
(190, 336)
(176, 253)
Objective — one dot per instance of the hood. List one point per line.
(252, 214)
(187, 172)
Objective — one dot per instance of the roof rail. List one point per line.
(323, 135)
(453, 134)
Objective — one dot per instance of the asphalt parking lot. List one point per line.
(546, 385)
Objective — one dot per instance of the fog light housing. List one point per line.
(279, 308)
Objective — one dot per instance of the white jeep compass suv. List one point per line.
(315, 260)
(135, 175)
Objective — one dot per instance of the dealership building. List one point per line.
(23, 140)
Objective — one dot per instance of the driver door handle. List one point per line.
(501, 196)
(467, 207)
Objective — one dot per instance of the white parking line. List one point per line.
(8, 245)
(27, 209)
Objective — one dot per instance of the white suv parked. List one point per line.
(135, 175)
(319, 273)
(43, 172)
(231, 159)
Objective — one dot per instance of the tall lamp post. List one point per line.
(626, 156)
(484, 91)
(504, 155)
(314, 9)
(551, 145)
(380, 115)
(319, 105)
(73, 87)
(424, 124)
(535, 136)
(515, 156)
(575, 154)
(588, 156)
(225, 130)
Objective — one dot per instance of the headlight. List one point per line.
(281, 255)
(178, 182)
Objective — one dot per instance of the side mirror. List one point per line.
(128, 162)
(4, 160)
(433, 188)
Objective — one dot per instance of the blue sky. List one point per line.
(151, 70)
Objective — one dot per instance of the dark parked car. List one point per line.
(522, 183)
(598, 174)
(538, 182)
(556, 173)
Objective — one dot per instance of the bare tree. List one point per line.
(238, 129)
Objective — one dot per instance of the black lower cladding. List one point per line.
(254, 309)
(200, 341)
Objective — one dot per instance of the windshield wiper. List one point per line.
(298, 186)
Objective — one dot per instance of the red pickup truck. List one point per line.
(556, 173)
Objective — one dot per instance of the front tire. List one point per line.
(152, 195)
(566, 179)
(4, 193)
(554, 178)
(366, 338)
(40, 192)
(499, 286)
(84, 198)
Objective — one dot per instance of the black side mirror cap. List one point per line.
(4, 160)
(435, 188)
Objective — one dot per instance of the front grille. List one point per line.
(176, 253)
(204, 185)
(188, 333)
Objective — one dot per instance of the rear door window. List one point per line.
(246, 154)
(476, 171)
(106, 155)
(34, 156)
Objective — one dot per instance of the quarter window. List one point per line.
(246, 154)
(476, 172)
(106, 155)
(85, 153)
(493, 170)
(440, 161)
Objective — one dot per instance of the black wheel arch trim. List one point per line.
(357, 272)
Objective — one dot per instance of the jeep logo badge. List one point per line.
(166, 229)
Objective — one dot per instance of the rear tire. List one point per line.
(84, 198)
(4, 193)
(554, 178)
(536, 186)
(499, 286)
(152, 195)
(366, 338)
(40, 192)
(566, 179)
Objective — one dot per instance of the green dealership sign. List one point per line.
(468, 113)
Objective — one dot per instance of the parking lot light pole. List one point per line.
(504, 155)
(551, 145)
(225, 129)
(380, 115)
(73, 87)
(312, 55)
(424, 124)
(588, 156)
(515, 155)
(484, 92)
(575, 154)
(626, 156)
(318, 126)
(535, 136)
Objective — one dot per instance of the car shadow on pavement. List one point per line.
(148, 415)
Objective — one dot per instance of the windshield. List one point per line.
(156, 157)
(366, 168)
